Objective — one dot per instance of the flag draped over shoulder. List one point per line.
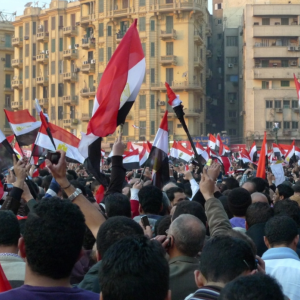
(6, 152)
(158, 157)
(261, 168)
(24, 126)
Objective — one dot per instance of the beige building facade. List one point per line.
(7, 72)
(62, 51)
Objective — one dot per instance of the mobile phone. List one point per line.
(53, 157)
(7, 187)
(145, 221)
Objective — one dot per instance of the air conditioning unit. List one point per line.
(230, 65)
(76, 45)
(40, 27)
(47, 51)
(93, 61)
(278, 110)
(2, 58)
(26, 37)
(161, 103)
(291, 48)
(293, 63)
(255, 23)
(77, 23)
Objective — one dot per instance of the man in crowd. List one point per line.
(282, 191)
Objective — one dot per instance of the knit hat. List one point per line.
(239, 200)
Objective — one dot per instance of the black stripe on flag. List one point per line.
(6, 158)
(28, 138)
(123, 112)
(131, 166)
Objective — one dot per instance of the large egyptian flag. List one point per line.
(178, 151)
(261, 168)
(63, 140)
(24, 126)
(116, 93)
(131, 160)
(297, 84)
(6, 152)
(158, 157)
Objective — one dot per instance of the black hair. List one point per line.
(73, 173)
(256, 287)
(162, 225)
(94, 185)
(171, 192)
(46, 182)
(53, 237)
(151, 199)
(188, 190)
(258, 212)
(88, 192)
(192, 208)
(261, 184)
(140, 273)
(231, 183)
(237, 257)
(69, 177)
(224, 201)
(242, 236)
(9, 229)
(239, 200)
(117, 204)
(37, 180)
(296, 188)
(89, 239)
(285, 190)
(288, 208)
(114, 229)
(43, 172)
(281, 230)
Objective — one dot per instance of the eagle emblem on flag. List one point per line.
(62, 147)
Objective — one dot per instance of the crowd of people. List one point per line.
(202, 236)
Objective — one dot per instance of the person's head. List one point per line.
(282, 191)
(224, 258)
(250, 186)
(239, 200)
(231, 183)
(169, 185)
(150, 198)
(259, 197)
(94, 187)
(134, 268)
(162, 225)
(187, 235)
(258, 212)
(53, 238)
(260, 183)
(289, 208)
(43, 172)
(114, 229)
(9, 229)
(281, 231)
(46, 182)
(117, 204)
(192, 208)
(37, 180)
(73, 173)
(176, 195)
(224, 201)
(296, 189)
(256, 287)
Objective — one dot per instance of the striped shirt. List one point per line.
(206, 293)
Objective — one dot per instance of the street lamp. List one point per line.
(275, 129)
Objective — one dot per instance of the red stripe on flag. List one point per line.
(19, 117)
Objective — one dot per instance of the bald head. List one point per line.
(169, 185)
(189, 234)
(249, 186)
(259, 197)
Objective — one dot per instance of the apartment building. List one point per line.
(6, 75)
(271, 58)
(62, 51)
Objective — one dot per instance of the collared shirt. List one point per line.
(206, 293)
(237, 222)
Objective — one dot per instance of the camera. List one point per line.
(53, 157)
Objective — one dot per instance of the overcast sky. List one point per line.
(18, 5)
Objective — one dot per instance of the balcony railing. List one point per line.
(70, 53)
(17, 84)
(86, 117)
(88, 92)
(43, 58)
(42, 36)
(17, 42)
(17, 104)
(17, 63)
(70, 76)
(70, 31)
(198, 63)
(168, 60)
(44, 102)
(42, 80)
(168, 35)
(8, 87)
(198, 37)
(72, 100)
(88, 67)
(88, 43)
(181, 85)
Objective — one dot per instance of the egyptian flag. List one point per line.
(245, 156)
(261, 168)
(144, 154)
(174, 150)
(226, 164)
(278, 151)
(201, 151)
(290, 153)
(212, 142)
(10, 138)
(131, 160)
(158, 158)
(6, 152)
(297, 152)
(63, 140)
(253, 152)
(180, 152)
(18, 150)
(24, 126)
(297, 84)
(215, 155)
(220, 145)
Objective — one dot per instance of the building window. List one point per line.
(265, 21)
(101, 29)
(277, 103)
(232, 131)
(286, 103)
(142, 2)
(232, 60)
(34, 49)
(61, 66)
(52, 112)
(33, 72)
(142, 126)
(142, 102)
(52, 67)
(284, 83)
(218, 6)
(219, 21)
(265, 63)
(219, 36)
(169, 75)
(152, 132)
(108, 53)
(34, 112)
(294, 125)
(60, 89)
(34, 28)
(284, 21)
(232, 113)
(7, 60)
(152, 102)
(33, 93)
(152, 25)
(53, 45)
(26, 72)
(26, 28)
(101, 54)
(265, 84)
(144, 48)
(294, 103)
(285, 63)
(142, 24)
(269, 125)
(269, 104)
(60, 114)
(7, 101)
(125, 129)
(53, 23)
(286, 125)
(152, 75)
(108, 30)
(232, 78)
(61, 44)
(169, 24)
(152, 49)
(27, 93)
(26, 50)
(101, 6)
(231, 41)
(169, 48)
(53, 90)
(232, 96)
(180, 126)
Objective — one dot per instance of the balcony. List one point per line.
(17, 105)
(88, 92)
(276, 10)
(120, 35)
(208, 53)
(209, 74)
(8, 67)
(6, 48)
(198, 38)
(7, 129)
(70, 31)
(168, 60)
(42, 80)
(168, 35)
(178, 86)
(88, 43)
(118, 13)
(275, 30)
(42, 36)
(86, 117)
(70, 54)
(44, 102)
(70, 76)
(17, 63)
(198, 63)
(72, 100)
(68, 122)
(8, 88)
(88, 67)
(178, 7)
(17, 42)
(42, 58)
(86, 20)
(274, 73)
(17, 84)
(208, 31)
(275, 51)
(193, 112)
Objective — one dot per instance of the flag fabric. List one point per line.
(4, 283)
(6, 152)
(290, 153)
(278, 151)
(158, 157)
(1, 190)
(174, 150)
(10, 138)
(253, 152)
(297, 152)
(201, 151)
(44, 117)
(261, 169)
(131, 160)
(220, 145)
(24, 126)
(226, 164)
(100, 194)
(144, 154)
(211, 142)
(297, 84)
(245, 156)
(137, 127)
(215, 155)
(181, 152)
(173, 98)
(63, 140)
(18, 150)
